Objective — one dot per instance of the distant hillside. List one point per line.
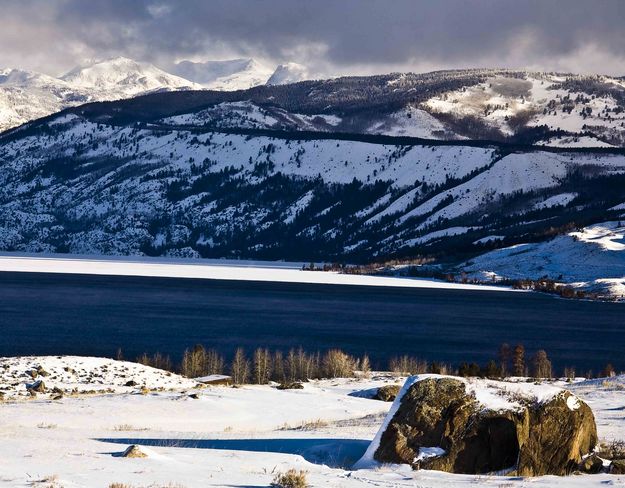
(71, 184)
(498, 105)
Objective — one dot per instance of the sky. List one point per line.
(329, 37)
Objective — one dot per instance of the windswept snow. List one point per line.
(224, 436)
(411, 122)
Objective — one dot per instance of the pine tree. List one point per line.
(492, 370)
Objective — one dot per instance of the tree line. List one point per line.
(296, 365)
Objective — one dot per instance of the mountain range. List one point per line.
(461, 167)
(27, 95)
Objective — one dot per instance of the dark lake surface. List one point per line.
(95, 315)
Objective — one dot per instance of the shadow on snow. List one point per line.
(335, 453)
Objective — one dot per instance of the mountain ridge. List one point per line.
(228, 178)
(559, 110)
(28, 95)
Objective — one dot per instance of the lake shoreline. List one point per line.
(256, 271)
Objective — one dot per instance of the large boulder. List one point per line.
(483, 426)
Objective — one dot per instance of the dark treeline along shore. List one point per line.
(97, 315)
(298, 365)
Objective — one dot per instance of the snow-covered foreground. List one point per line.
(229, 270)
(230, 437)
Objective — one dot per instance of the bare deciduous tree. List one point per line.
(240, 367)
(541, 365)
(262, 366)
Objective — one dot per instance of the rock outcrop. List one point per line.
(387, 393)
(134, 451)
(483, 426)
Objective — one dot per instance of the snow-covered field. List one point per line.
(542, 101)
(226, 437)
(215, 270)
(592, 259)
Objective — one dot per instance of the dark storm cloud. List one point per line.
(333, 35)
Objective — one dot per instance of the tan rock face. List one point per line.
(556, 436)
(134, 451)
(536, 439)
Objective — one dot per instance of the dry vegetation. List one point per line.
(126, 485)
(612, 450)
(297, 366)
(290, 479)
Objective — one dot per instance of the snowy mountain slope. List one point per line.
(288, 73)
(25, 95)
(235, 74)
(71, 184)
(576, 105)
(248, 115)
(592, 259)
(560, 110)
(493, 105)
(123, 77)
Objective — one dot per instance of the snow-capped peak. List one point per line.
(24, 78)
(126, 76)
(232, 74)
(288, 73)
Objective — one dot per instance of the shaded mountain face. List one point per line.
(84, 182)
